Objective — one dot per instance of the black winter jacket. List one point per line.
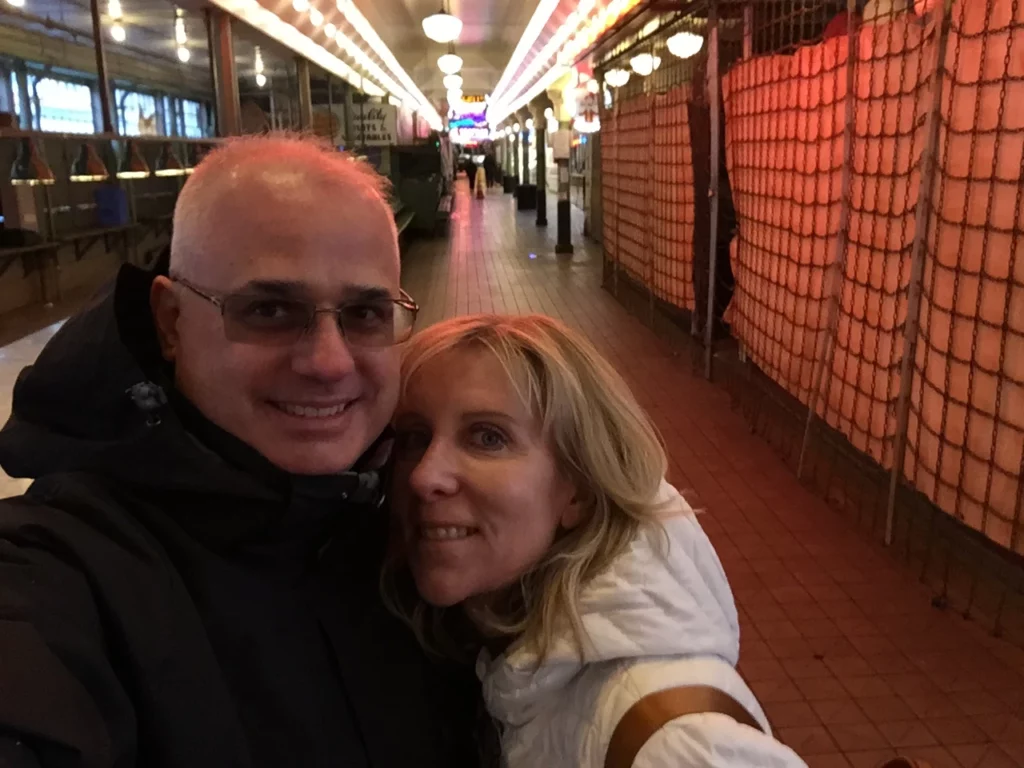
(169, 599)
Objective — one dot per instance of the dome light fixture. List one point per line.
(685, 44)
(301, 6)
(452, 82)
(442, 27)
(316, 17)
(450, 63)
(261, 79)
(616, 78)
(644, 63)
(183, 54)
(118, 34)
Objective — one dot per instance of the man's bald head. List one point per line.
(265, 230)
(255, 175)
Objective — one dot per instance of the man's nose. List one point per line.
(323, 352)
(436, 474)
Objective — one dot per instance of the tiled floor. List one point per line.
(841, 645)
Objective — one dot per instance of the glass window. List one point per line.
(12, 78)
(195, 119)
(136, 113)
(61, 106)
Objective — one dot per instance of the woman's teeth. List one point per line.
(309, 412)
(445, 533)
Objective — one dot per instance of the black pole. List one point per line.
(542, 197)
(564, 243)
(101, 66)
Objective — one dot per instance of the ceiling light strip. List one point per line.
(538, 21)
(363, 27)
(549, 52)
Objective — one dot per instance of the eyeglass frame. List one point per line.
(404, 300)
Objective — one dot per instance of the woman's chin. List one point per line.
(440, 593)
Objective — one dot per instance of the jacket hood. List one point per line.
(666, 596)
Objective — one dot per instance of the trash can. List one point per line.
(526, 196)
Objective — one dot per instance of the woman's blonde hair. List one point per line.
(599, 435)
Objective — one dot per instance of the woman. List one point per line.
(538, 533)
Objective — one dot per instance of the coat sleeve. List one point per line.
(712, 740)
(62, 700)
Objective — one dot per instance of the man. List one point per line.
(193, 578)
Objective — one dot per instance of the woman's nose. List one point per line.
(435, 474)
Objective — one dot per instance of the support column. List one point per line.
(305, 94)
(562, 143)
(222, 68)
(540, 106)
(99, 45)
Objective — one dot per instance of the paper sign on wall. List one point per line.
(560, 143)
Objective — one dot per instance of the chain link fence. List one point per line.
(860, 250)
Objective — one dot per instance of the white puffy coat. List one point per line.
(658, 618)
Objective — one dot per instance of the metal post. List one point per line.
(922, 215)
(826, 348)
(716, 151)
(305, 93)
(542, 202)
(223, 73)
(564, 243)
(526, 156)
(99, 46)
(748, 31)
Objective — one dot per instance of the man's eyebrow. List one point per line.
(296, 288)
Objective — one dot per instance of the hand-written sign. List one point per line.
(375, 124)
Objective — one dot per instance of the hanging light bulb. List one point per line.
(301, 6)
(517, 128)
(118, 34)
(183, 54)
(442, 27)
(644, 63)
(261, 79)
(452, 82)
(316, 17)
(529, 123)
(685, 44)
(179, 27)
(16, 3)
(330, 30)
(114, 9)
(450, 63)
(616, 78)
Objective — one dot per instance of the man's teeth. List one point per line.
(445, 533)
(309, 412)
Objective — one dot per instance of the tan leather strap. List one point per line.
(655, 710)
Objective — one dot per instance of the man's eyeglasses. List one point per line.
(254, 318)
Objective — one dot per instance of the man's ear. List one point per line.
(164, 303)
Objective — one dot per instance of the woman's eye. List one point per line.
(489, 438)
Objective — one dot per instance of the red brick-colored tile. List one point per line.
(807, 740)
(907, 733)
(790, 714)
(839, 711)
(857, 736)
